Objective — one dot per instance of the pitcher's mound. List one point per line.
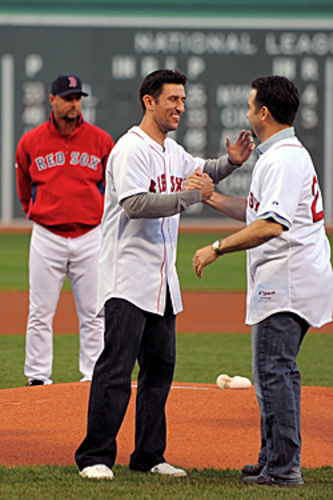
(207, 426)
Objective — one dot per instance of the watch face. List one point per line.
(216, 247)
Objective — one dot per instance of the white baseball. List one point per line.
(223, 381)
(238, 382)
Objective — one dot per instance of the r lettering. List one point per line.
(41, 165)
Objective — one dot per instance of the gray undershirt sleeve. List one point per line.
(219, 169)
(153, 205)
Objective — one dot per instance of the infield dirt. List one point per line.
(206, 312)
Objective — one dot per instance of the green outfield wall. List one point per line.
(255, 8)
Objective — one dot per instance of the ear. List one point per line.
(51, 99)
(265, 113)
(149, 101)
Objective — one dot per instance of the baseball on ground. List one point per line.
(225, 382)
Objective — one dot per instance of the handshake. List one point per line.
(200, 180)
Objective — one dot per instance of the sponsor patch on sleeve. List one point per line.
(267, 295)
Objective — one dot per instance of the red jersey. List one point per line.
(61, 179)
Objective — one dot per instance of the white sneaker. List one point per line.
(99, 471)
(168, 470)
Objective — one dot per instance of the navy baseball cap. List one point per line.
(67, 84)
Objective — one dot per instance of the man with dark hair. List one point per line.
(138, 284)
(290, 283)
(280, 95)
(153, 83)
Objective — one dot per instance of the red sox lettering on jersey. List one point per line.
(58, 159)
(160, 185)
(253, 202)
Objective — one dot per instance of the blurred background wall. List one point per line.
(222, 45)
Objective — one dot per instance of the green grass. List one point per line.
(14, 256)
(226, 274)
(14, 249)
(200, 358)
(63, 483)
(66, 360)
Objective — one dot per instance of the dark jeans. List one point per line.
(130, 334)
(275, 344)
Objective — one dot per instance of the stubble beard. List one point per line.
(72, 118)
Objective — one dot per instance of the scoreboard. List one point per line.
(220, 56)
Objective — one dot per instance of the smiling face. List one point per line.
(167, 109)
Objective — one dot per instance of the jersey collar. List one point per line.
(287, 133)
(155, 145)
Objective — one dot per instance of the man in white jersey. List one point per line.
(289, 272)
(138, 285)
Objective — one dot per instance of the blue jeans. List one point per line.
(275, 344)
(130, 334)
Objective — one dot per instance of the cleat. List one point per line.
(34, 382)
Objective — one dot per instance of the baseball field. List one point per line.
(212, 432)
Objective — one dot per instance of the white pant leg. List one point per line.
(47, 270)
(82, 271)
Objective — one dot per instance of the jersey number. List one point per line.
(317, 202)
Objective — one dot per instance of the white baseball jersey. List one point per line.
(138, 256)
(293, 271)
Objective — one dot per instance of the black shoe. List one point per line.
(260, 479)
(267, 481)
(35, 382)
(252, 470)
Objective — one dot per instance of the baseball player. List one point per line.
(138, 285)
(290, 284)
(60, 182)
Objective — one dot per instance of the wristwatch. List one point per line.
(216, 247)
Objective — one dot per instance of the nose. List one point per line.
(181, 107)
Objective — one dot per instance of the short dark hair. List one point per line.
(153, 83)
(279, 95)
